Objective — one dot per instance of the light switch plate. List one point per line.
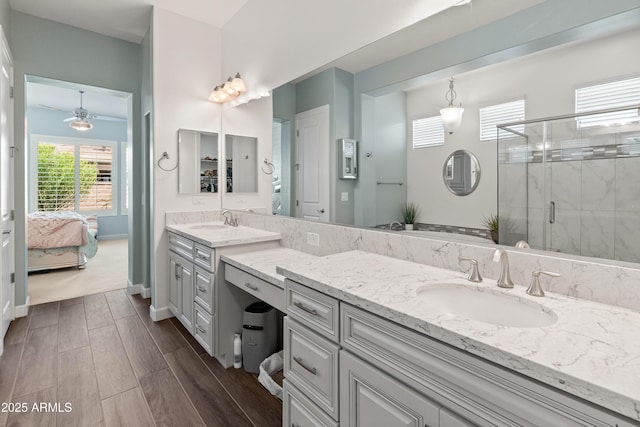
(344, 196)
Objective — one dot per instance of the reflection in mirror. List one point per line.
(198, 162)
(376, 104)
(242, 164)
(461, 172)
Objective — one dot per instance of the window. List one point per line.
(493, 115)
(608, 95)
(73, 174)
(427, 132)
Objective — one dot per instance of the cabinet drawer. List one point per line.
(312, 308)
(203, 328)
(203, 288)
(265, 291)
(311, 364)
(301, 412)
(182, 246)
(204, 257)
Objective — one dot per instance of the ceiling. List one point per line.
(126, 19)
(65, 96)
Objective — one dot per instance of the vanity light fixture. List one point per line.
(451, 116)
(231, 89)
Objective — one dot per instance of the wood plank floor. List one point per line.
(116, 367)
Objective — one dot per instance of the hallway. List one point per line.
(104, 355)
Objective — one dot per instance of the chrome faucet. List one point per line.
(534, 288)
(394, 222)
(504, 281)
(230, 220)
(474, 274)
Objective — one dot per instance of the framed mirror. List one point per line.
(242, 164)
(461, 172)
(197, 162)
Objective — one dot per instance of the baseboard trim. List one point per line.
(112, 237)
(158, 314)
(21, 310)
(138, 289)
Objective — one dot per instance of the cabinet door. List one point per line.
(175, 292)
(369, 397)
(186, 298)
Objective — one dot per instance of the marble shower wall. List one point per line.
(606, 282)
(597, 207)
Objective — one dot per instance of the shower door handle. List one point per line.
(552, 212)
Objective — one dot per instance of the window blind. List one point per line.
(493, 115)
(615, 94)
(427, 132)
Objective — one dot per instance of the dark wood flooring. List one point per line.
(116, 367)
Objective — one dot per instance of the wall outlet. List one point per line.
(313, 239)
(344, 196)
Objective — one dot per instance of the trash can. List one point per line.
(259, 335)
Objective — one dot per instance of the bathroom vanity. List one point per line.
(199, 296)
(365, 344)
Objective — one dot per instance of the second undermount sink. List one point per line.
(485, 305)
(207, 227)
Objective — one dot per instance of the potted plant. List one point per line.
(409, 214)
(491, 222)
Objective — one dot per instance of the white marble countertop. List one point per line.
(262, 263)
(592, 351)
(216, 234)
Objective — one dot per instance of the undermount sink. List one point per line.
(207, 227)
(485, 305)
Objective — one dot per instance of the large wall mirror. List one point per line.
(242, 164)
(374, 101)
(198, 163)
(461, 172)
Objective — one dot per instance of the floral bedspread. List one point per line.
(55, 230)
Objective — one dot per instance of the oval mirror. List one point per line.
(461, 172)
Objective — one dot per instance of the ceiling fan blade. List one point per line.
(70, 119)
(51, 108)
(106, 118)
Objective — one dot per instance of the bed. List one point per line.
(60, 239)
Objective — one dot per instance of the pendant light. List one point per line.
(451, 116)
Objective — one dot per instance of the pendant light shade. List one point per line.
(451, 118)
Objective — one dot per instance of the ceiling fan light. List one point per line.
(81, 125)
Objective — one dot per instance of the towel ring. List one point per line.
(165, 156)
(271, 167)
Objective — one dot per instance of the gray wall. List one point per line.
(50, 123)
(43, 48)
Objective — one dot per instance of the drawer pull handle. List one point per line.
(302, 307)
(202, 289)
(252, 287)
(201, 329)
(200, 256)
(300, 362)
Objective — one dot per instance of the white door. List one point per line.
(6, 186)
(312, 168)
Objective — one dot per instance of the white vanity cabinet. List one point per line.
(311, 356)
(190, 291)
(199, 296)
(181, 289)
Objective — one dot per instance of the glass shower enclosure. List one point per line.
(571, 184)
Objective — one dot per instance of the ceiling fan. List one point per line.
(79, 116)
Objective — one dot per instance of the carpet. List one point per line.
(106, 271)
